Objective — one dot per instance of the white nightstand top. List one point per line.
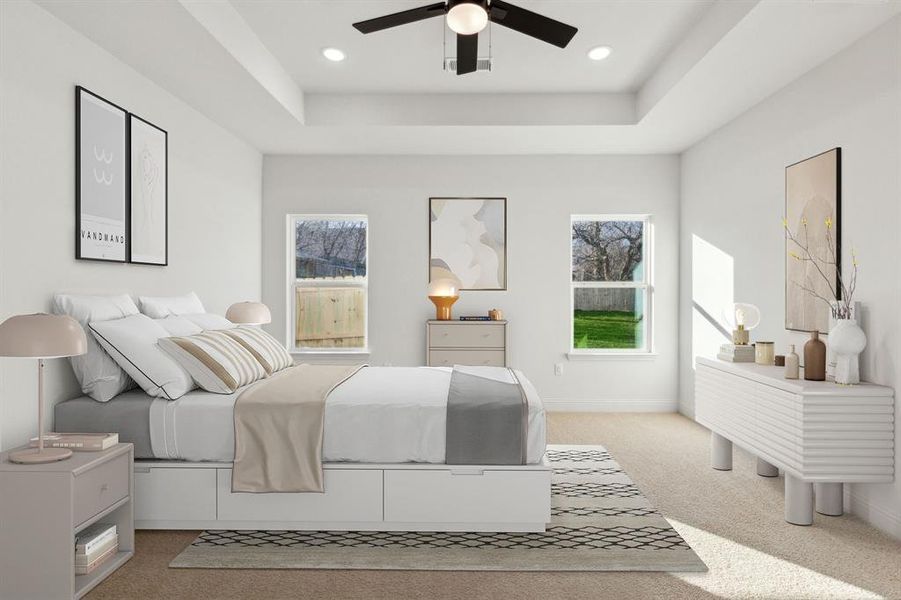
(76, 464)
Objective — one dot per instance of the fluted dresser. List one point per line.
(820, 434)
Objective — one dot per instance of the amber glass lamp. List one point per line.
(443, 293)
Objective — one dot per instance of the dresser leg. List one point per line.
(829, 498)
(765, 469)
(798, 501)
(720, 452)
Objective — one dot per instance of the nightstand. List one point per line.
(450, 343)
(43, 507)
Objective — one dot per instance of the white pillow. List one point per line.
(99, 376)
(178, 326)
(160, 307)
(210, 322)
(132, 342)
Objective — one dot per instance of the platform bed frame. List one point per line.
(357, 497)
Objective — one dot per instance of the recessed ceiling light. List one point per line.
(333, 54)
(599, 52)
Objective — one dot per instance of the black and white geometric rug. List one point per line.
(600, 521)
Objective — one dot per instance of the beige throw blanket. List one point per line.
(278, 429)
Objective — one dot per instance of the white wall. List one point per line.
(214, 195)
(733, 201)
(542, 192)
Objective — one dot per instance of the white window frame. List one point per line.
(646, 285)
(293, 283)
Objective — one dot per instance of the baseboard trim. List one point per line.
(877, 516)
(609, 405)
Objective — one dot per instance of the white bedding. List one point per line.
(380, 415)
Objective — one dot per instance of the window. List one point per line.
(328, 283)
(611, 284)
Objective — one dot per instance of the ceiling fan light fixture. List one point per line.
(467, 18)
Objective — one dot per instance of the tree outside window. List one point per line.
(610, 284)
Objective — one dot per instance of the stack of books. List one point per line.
(735, 353)
(94, 546)
(475, 318)
(79, 442)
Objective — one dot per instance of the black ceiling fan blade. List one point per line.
(402, 18)
(532, 24)
(467, 53)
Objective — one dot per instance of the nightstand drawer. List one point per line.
(466, 336)
(449, 358)
(101, 487)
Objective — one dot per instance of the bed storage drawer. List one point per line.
(350, 495)
(173, 494)
(467, 495)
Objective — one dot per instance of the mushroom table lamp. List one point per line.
(41, 336)
(742, 317)
(249, 313)
(443, 293)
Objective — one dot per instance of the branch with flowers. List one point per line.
(842, 290)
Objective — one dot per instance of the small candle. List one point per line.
(764, 353)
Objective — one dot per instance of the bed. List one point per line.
(383, 458)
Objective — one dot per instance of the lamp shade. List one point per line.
(742, 313)
(444, 288)
(42, 336)
(249, 313)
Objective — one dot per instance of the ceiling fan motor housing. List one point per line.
(482, 3)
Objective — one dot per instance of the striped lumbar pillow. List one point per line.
(216, 362)
(263, 346)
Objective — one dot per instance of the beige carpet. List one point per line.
(600, 521)
(733, 520)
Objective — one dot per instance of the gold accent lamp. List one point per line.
(443, 293)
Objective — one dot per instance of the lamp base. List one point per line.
(443, 306)
(33, 456)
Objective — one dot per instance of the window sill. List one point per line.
(362, 352)
(577, 356)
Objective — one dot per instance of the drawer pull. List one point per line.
(104, 487)
(467, 472)
(142, 469)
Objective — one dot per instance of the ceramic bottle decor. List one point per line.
(815, 358)
(792, 364)
(847, 340)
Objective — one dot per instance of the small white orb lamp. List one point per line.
(41, 336)
(742, 317)
(249, 313)
(443, 293)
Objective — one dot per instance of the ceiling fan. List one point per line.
(467, 18)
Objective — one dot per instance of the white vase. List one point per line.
(846, 341)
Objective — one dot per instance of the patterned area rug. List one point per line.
(600, 521)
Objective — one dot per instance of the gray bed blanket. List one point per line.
(487, 417)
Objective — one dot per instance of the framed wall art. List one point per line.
(812, 196)
(468, 242)
(148, 228)
(101, 178)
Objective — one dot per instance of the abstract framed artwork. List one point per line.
(101, 178)
(468, 242)
(812, 195)
(148, 229)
